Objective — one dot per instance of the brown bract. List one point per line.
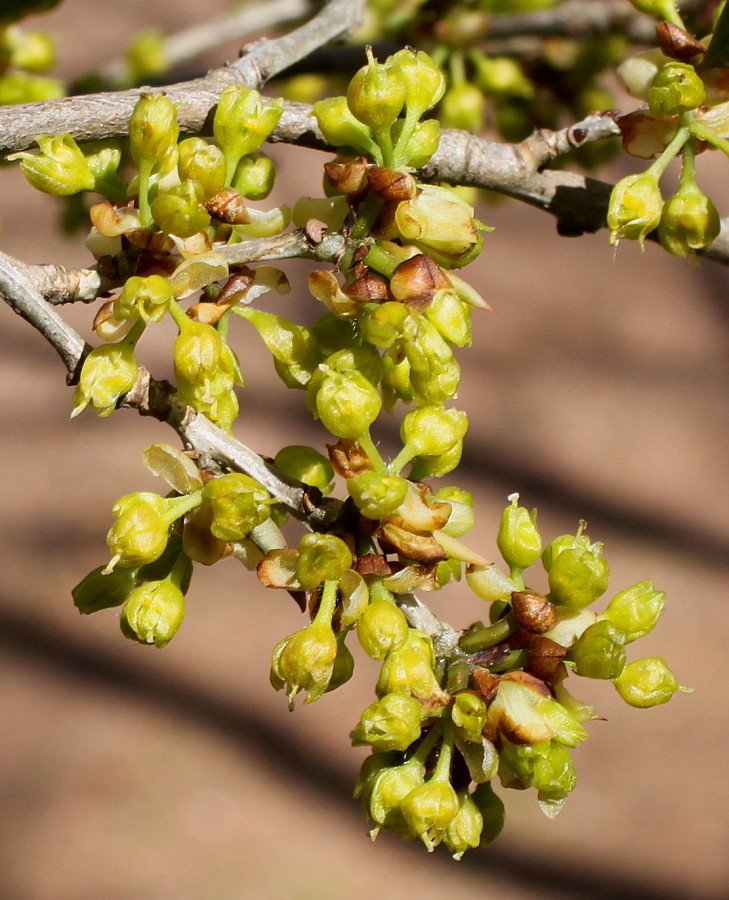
(228, 206)
(677, 42)
(348, 458)
(533, 611)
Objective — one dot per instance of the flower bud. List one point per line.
(451, 316)
(598, 652)
(438, 220)
(423, 143)
(239, 503)
(463, 106)
(197, 353)
(635, 610)
(464, 832)
(30, 50)
(409, 669)
(147, 298)
(154, 612)
(501, 76)
(146, 56)
(377, 93)
(307, 465)
(322, 557)
(432, 430)
(180, 210)
(292, 346)
(340, 128)
(60, 168)
(647, 682)
(387, 788)
(347, 403)
(19, 87)
(242, 123)
(689, 222)
(139, 535)
(382, 626)
(304, 661)
(635, 208)
(425, 84)
(461, 518)
(153, 130)
(391, 723)
(492, 812)
(469, 715)
(489, 583)
(254, 176)
(108, 373)
(429, 809)
(202, 162)
(377, 496)
(676, 88)
(577, 572)
(98, 591)
(518, 539)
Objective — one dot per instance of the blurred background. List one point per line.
(597, 389)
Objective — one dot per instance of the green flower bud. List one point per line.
(307, 465)
(423, 143)
(377, 496)
(689, 222)
(409, 669)
(147, 298)
(462, 518)
(108, 373)
(489, 583)
(384, 325)
(382, 626)
(377, 93)
(492, 812)
(103, 159)
(438, 220)
(463, 106)
(242, 123)
(146, 56)
(322, 557)
(180, 211)
(464, 832)
(430, 430)
(60, 168)
(436, 466)
(501, 76)
(304, 661)
(254, 176)
(635, 610)
(469, 714)
(429, 809)
(341, 129)
(30, 50)
(425, 84)
(153, 131)
(577, 572)
(239, 503)
(391, 723)
(98, 591)
(202, 162)
(197, 353)
(598, 652)
(388, 789)
(451, 316)
(676, 89)
(635, 208)
(638, 71)
(347, 403)
(139, 535)
(647, 682)
(154, 612)
(518, 539)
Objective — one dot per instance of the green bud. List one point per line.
(307, 465)
(60, 168)
(17, 87)
(577, 572)
(139, 535)
(341, 129)
(425, 84)
(689, 222)
(347, 403)
(30, 50)
(676, 89)
(146, 298)
(635, 208)
(438, 220)
(304, 661)
(377, 93)
(635, 610)
(239, 503)
(647, 682)
(518, 539)
(292, 347)
(391, 723)
(154, 612)
(462, 518)
(153, 131)
(382, 626)
(598, 652)
(423, 143)
(451, 316)
(436, 466)
(98, 591)
(463, 106)
(254, 176)
(469, 714)
(431, 430)
(464, 832)
(387, 789)
(429, 809)
(197, 353)
(146, 56)
(501, 76)
(489, 583)
(492, 812)
(242, 123)
(384, 324)
(202, 162)
(322, 557)
(409, 669)
(108, 373)
(180, 210)
(377, 496)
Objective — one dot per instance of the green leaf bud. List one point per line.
(377, 93)
(429, 809)
(307, 465)
(254, 176)
(635, 208)
(154, 612)
(146, 298)
(469, 714)
(382, 626)
(60, 168)
(180, 210)
(377, 496)
(576, 570)
(108, 373)
(489, 583)
(98, 591)
(425, 84)
(689, 222)
(464, 832)
(304, 661)
(322, 557)
(598, 652)
(347, 403)
(242, 123)
(647, 682)
(492, 812)
(676, 88)
(518, 540)
(391, 723)
(463, 106)
(239, 503)
(139, 534)
(341, 129)
(153, 131)
(202, 162)
(635, 610)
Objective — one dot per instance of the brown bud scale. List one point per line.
(533, 611)
(228, 206)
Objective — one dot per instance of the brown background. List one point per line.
(597, 389)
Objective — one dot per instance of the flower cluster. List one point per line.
(25, 57)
